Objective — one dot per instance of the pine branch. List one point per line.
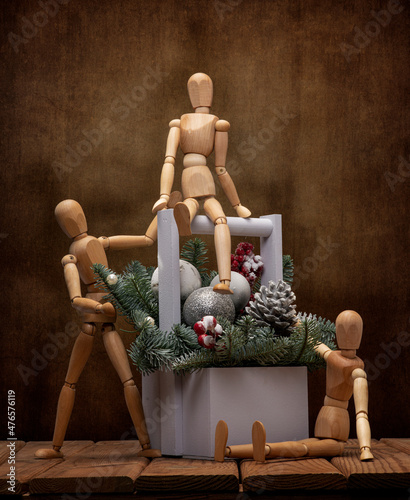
(306, 336)
(115, 295)
(189, 363)
(184, 340)
(327, 328)
(151, 350)
(194, 251)
(287, 269)
(269, 353)
(138, 291)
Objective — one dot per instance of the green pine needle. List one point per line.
(288, 269)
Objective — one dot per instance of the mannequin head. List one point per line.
(70, 216)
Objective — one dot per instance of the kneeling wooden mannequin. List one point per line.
(344, 377)
(85, 251)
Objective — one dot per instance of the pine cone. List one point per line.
(274, 306)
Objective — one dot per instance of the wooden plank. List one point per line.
(5, 449)
(400, 444)
(179, 474)
(389, 469)
(27, 466)
(105, 467)
(290, 474)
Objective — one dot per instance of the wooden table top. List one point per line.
(112, 467)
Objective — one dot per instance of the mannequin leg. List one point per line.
(222, 451)
(311, 447)
(184, 213)
(118, 356)
(79, 357)
(222, 237)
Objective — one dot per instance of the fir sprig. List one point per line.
(195, 252)
(327, 328)
(288, 269)
(151, 351)
(132, 290)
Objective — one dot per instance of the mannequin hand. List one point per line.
(106, 308)
(242, 211)
(160, 204)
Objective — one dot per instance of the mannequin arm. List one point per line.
(361, 398)
(323, 350)
(167, 174)
(81, 304)
(123, 242)
(221, 149)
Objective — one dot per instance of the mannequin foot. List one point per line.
(366, 454)
(221, 438)
(150, 453)
(183, 219)
(223, 289)
(258, 441)
(48, 453)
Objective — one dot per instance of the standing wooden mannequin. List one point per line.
(85, 251)
(344, 377)
(198, 134)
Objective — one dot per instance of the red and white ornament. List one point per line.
(208, 330)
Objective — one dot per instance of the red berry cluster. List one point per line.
(208, 330)
(245, 262)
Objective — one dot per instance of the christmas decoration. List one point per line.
(287, 264)
(241, 343)
(190, 279)
(247, 344)
(208, 330)
(274, 306)
(245, 262)
(112, 279)
(205, 301)
(241, 290)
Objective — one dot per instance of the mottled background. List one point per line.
(317, 94)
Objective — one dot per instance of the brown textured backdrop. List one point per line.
(317, 97)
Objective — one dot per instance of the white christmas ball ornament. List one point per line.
(240, 287)
(189, 276)
(112, 279)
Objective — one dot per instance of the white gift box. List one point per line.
(276, 396)
(183, 421)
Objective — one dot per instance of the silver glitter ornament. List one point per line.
(206, 302)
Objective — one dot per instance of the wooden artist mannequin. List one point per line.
(198, 134)
(85, 251)
(344, 377)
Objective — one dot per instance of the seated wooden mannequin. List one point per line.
(344, 377)
(197, 135)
